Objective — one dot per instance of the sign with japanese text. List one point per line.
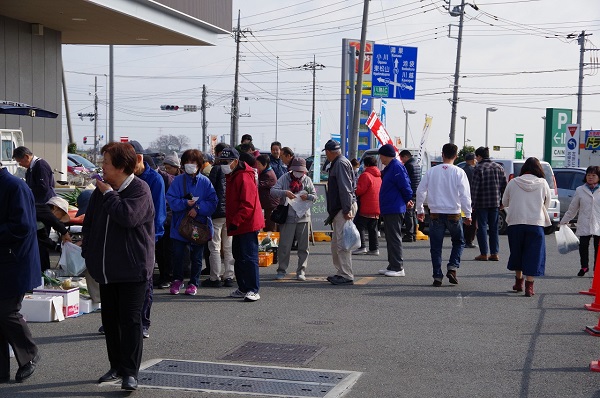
(592, 140)
(555, 135)
(394, 72)
(572, 146)
(518, 146)
(378, 129)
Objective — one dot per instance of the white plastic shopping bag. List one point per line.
(350, 236)
(71, 260)
(566, 240)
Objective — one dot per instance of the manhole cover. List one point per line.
(242, 379)
(274, 353)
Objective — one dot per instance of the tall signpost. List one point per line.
(394, 72)
(556, 130)
(519, 153)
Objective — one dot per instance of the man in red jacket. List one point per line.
(244, 219)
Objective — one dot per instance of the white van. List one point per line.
(10, 139)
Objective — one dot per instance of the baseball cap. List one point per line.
(229, 154)
(139, 149)
(332, 145)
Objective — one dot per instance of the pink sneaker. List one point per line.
(191, 290)
(175, 286)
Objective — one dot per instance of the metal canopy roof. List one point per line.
(119, 22)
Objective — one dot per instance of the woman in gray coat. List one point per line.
(295, 186)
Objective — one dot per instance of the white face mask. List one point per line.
(297, 174)
(226, 169)
(190, 168)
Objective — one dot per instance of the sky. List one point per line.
(517, 56)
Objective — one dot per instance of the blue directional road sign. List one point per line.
(394, 72)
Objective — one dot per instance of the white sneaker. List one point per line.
(395, 273)
(301, 277)
(382, 271)
(279, 276)
(237, 294)
(360, 251)
(251, 296)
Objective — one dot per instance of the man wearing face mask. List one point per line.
(244, 220)
(221, 272)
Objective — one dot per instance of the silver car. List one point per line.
(567, 181)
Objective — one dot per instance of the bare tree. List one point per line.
(168, 143)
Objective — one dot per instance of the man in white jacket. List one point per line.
(446, 189)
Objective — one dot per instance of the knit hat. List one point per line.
(172, 160)
(387, 150)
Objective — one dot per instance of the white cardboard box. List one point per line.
(70, 299)
(42, 308)
(86, 306)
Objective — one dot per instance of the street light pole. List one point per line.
(465, 132)
(487, 115)
(407, 112)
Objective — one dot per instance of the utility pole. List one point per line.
(313, 66)
(457, 11)
(204, 122)
(95, 118)
(235, 104)
(351, 94)
(582, 50)
(276, 99)
(353, 142)
(111, 106)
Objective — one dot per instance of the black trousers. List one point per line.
(584, 244)
(470, 231)
(164, 253)
(14, 331)
(122, 321)
(411, 223)
(369, 224)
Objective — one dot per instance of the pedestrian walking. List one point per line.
(341, 207)
(586, 202)
(470, 231)
(489, 183)
(244, 220)
(526, 200)
(294, 186)
(394, 197)
(446, 190)
(367, 193)
(20, 273)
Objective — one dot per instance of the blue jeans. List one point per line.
(196, 253)
(245, 253)
(437, 226)
(487, 220)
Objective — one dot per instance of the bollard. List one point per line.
(595, 306)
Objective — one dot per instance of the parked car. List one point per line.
(567, 181)
(81, 161)
(74, 168)
(512, 169)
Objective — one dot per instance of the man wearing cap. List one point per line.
(20, 273)
(489, 183)
(39, 176)
(446, 189)
(394, 197)
(470, 230)
(244, 219)
(341, 207)
(157, 189)
(52, 215)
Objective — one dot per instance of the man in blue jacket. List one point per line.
(20, 272)
(157, 189)
(395, 195)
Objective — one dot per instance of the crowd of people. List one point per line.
(212, 207)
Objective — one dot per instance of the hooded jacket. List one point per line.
(367, 191)
(243, 212)
(525, 201)
(395, 190)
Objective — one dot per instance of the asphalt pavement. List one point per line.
(405, 337)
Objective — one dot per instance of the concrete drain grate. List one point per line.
(274, 353)
(242, 379)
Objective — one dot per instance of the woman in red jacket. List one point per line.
(244, 219)
(367, 192)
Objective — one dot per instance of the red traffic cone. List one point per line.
(594, 366)
(595, 306)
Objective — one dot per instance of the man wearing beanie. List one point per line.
(394, 196)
